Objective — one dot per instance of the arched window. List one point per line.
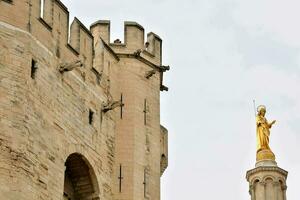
(80, 181)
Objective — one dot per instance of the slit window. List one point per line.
(91, 116)
(33, 68)
(145, 111)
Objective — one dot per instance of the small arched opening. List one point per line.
(80, 181)
(163, 163)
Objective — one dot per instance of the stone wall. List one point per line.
(49, 112)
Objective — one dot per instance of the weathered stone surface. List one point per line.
(267, 182)
(55, 140)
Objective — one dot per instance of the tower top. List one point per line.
(264, 153)
(266, 180)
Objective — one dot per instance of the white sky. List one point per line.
(223, 54)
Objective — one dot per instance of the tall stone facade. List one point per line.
(79, 116)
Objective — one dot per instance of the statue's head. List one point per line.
(261, 110)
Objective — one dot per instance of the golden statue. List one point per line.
(263, 134)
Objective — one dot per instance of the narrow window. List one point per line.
(91, 116)
(145, 183)
(122, 105)
(145, 111)
(120, 179)
(33, 68)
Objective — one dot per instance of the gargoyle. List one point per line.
(112, 105)
(165, 68)
(164, 88)
(137, 53)
(65, 67)
(150, 73)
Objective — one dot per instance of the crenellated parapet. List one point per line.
(134, 46)
(48, 22)
(134, 41)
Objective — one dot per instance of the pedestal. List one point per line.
(265, 154)
(267, 181)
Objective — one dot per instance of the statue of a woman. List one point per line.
(263, 134)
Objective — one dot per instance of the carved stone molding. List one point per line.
(268, 168)
(266, 182)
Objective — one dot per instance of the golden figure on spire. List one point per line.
(263, 134)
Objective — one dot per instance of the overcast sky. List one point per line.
(223, 54)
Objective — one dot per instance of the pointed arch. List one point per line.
(80, 181)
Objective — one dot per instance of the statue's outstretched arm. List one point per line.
(271, 124)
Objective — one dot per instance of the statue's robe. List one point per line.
(263, 133)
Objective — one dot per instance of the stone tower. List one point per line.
(266, 181)
(79, 114)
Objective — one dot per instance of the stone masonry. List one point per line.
(79, 115)
(267, 182)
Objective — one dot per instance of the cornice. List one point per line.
(266, 169)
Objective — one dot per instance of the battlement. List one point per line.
(48, 21)
(50, 25)
(134, 40)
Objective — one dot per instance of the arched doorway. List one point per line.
(80, 181)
